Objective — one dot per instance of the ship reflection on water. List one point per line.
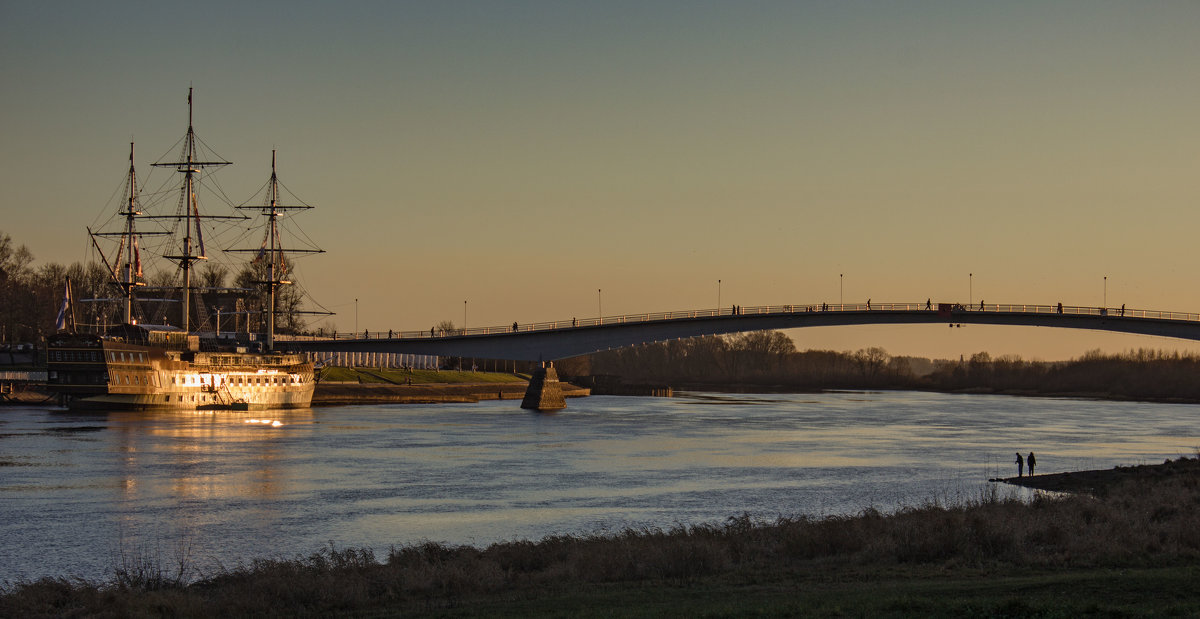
(177, 467)
(275, 423)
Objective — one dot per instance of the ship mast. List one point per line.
(273, 282)
(190, 167)
(272, 249)
(126, 271)
(132, 263)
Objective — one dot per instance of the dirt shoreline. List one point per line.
(1101, 482)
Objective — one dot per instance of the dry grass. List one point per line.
(1137, 524)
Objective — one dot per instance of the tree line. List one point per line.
(769, 361)
(759, 358)
(31, 295)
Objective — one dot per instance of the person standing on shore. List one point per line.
(1031, 463)
(1020, 465)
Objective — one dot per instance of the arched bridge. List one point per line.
(549, 341)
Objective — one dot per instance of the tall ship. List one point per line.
(137, 365)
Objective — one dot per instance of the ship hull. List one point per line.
(158, 402)
(93, 373)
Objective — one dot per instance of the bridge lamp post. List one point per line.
(356, 315)
(1105, 291)
(841, 290)
(970, 290)
(599, 307)
(718, 297)
(464, 317)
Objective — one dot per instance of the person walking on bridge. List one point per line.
(1020, 465)
(1032, 462)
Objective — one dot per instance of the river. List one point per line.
(79, 490)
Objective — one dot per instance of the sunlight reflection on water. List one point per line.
(75, 489)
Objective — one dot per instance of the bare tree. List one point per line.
(288, 297)
(213, 275)
(871, 361)
(15, 277)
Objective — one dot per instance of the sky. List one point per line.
(548, 160)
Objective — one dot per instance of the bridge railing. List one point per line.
(788, 309)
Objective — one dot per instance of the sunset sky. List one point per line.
(523, 155)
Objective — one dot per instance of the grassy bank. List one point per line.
(1131, 550)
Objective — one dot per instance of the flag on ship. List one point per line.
(60, 322)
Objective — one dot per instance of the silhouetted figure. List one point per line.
(868, 304)
(514, 327)
(366, 335)
(928, 304)
(1060, 308)
(431, 331)
(1020, 465)
(389, 334)
(573, 322)
(1122, 309)
(1032, 462)
(981, 305)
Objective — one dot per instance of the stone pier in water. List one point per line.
(544, 392)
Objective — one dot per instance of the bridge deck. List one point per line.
(547, 341)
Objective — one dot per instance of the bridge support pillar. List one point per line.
(544, 392)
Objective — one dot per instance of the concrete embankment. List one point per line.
(330, 392)
(607, 384)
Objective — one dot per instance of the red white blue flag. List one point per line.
(60, 322)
